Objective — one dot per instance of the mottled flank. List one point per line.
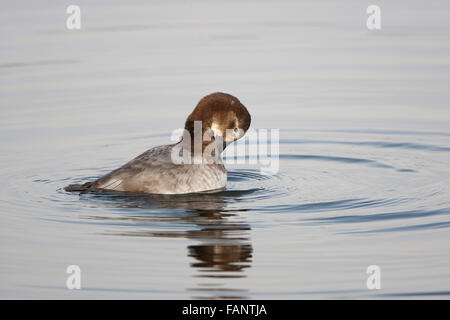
(155, 172)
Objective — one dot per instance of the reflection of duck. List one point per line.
(190, 165)
(230, 258)
(224, 249)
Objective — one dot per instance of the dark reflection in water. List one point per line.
(223, 247)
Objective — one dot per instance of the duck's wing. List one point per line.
(151, 161)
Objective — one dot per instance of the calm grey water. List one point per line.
(364, 175)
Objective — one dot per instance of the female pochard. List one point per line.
(191, 165)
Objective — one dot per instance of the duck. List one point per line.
(191, 165)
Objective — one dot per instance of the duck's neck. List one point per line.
(202, 148)
(200, 141)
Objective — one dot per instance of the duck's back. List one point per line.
(154, 172)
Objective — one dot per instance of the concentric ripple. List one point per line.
(354, 184)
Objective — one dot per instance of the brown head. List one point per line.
(222, 116)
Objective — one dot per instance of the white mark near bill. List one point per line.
(257, 147)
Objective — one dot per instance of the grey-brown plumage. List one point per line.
(155, 171)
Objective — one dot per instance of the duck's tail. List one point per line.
(78, 187)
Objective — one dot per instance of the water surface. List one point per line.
(364, 175)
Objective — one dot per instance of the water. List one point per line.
(364, 175)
